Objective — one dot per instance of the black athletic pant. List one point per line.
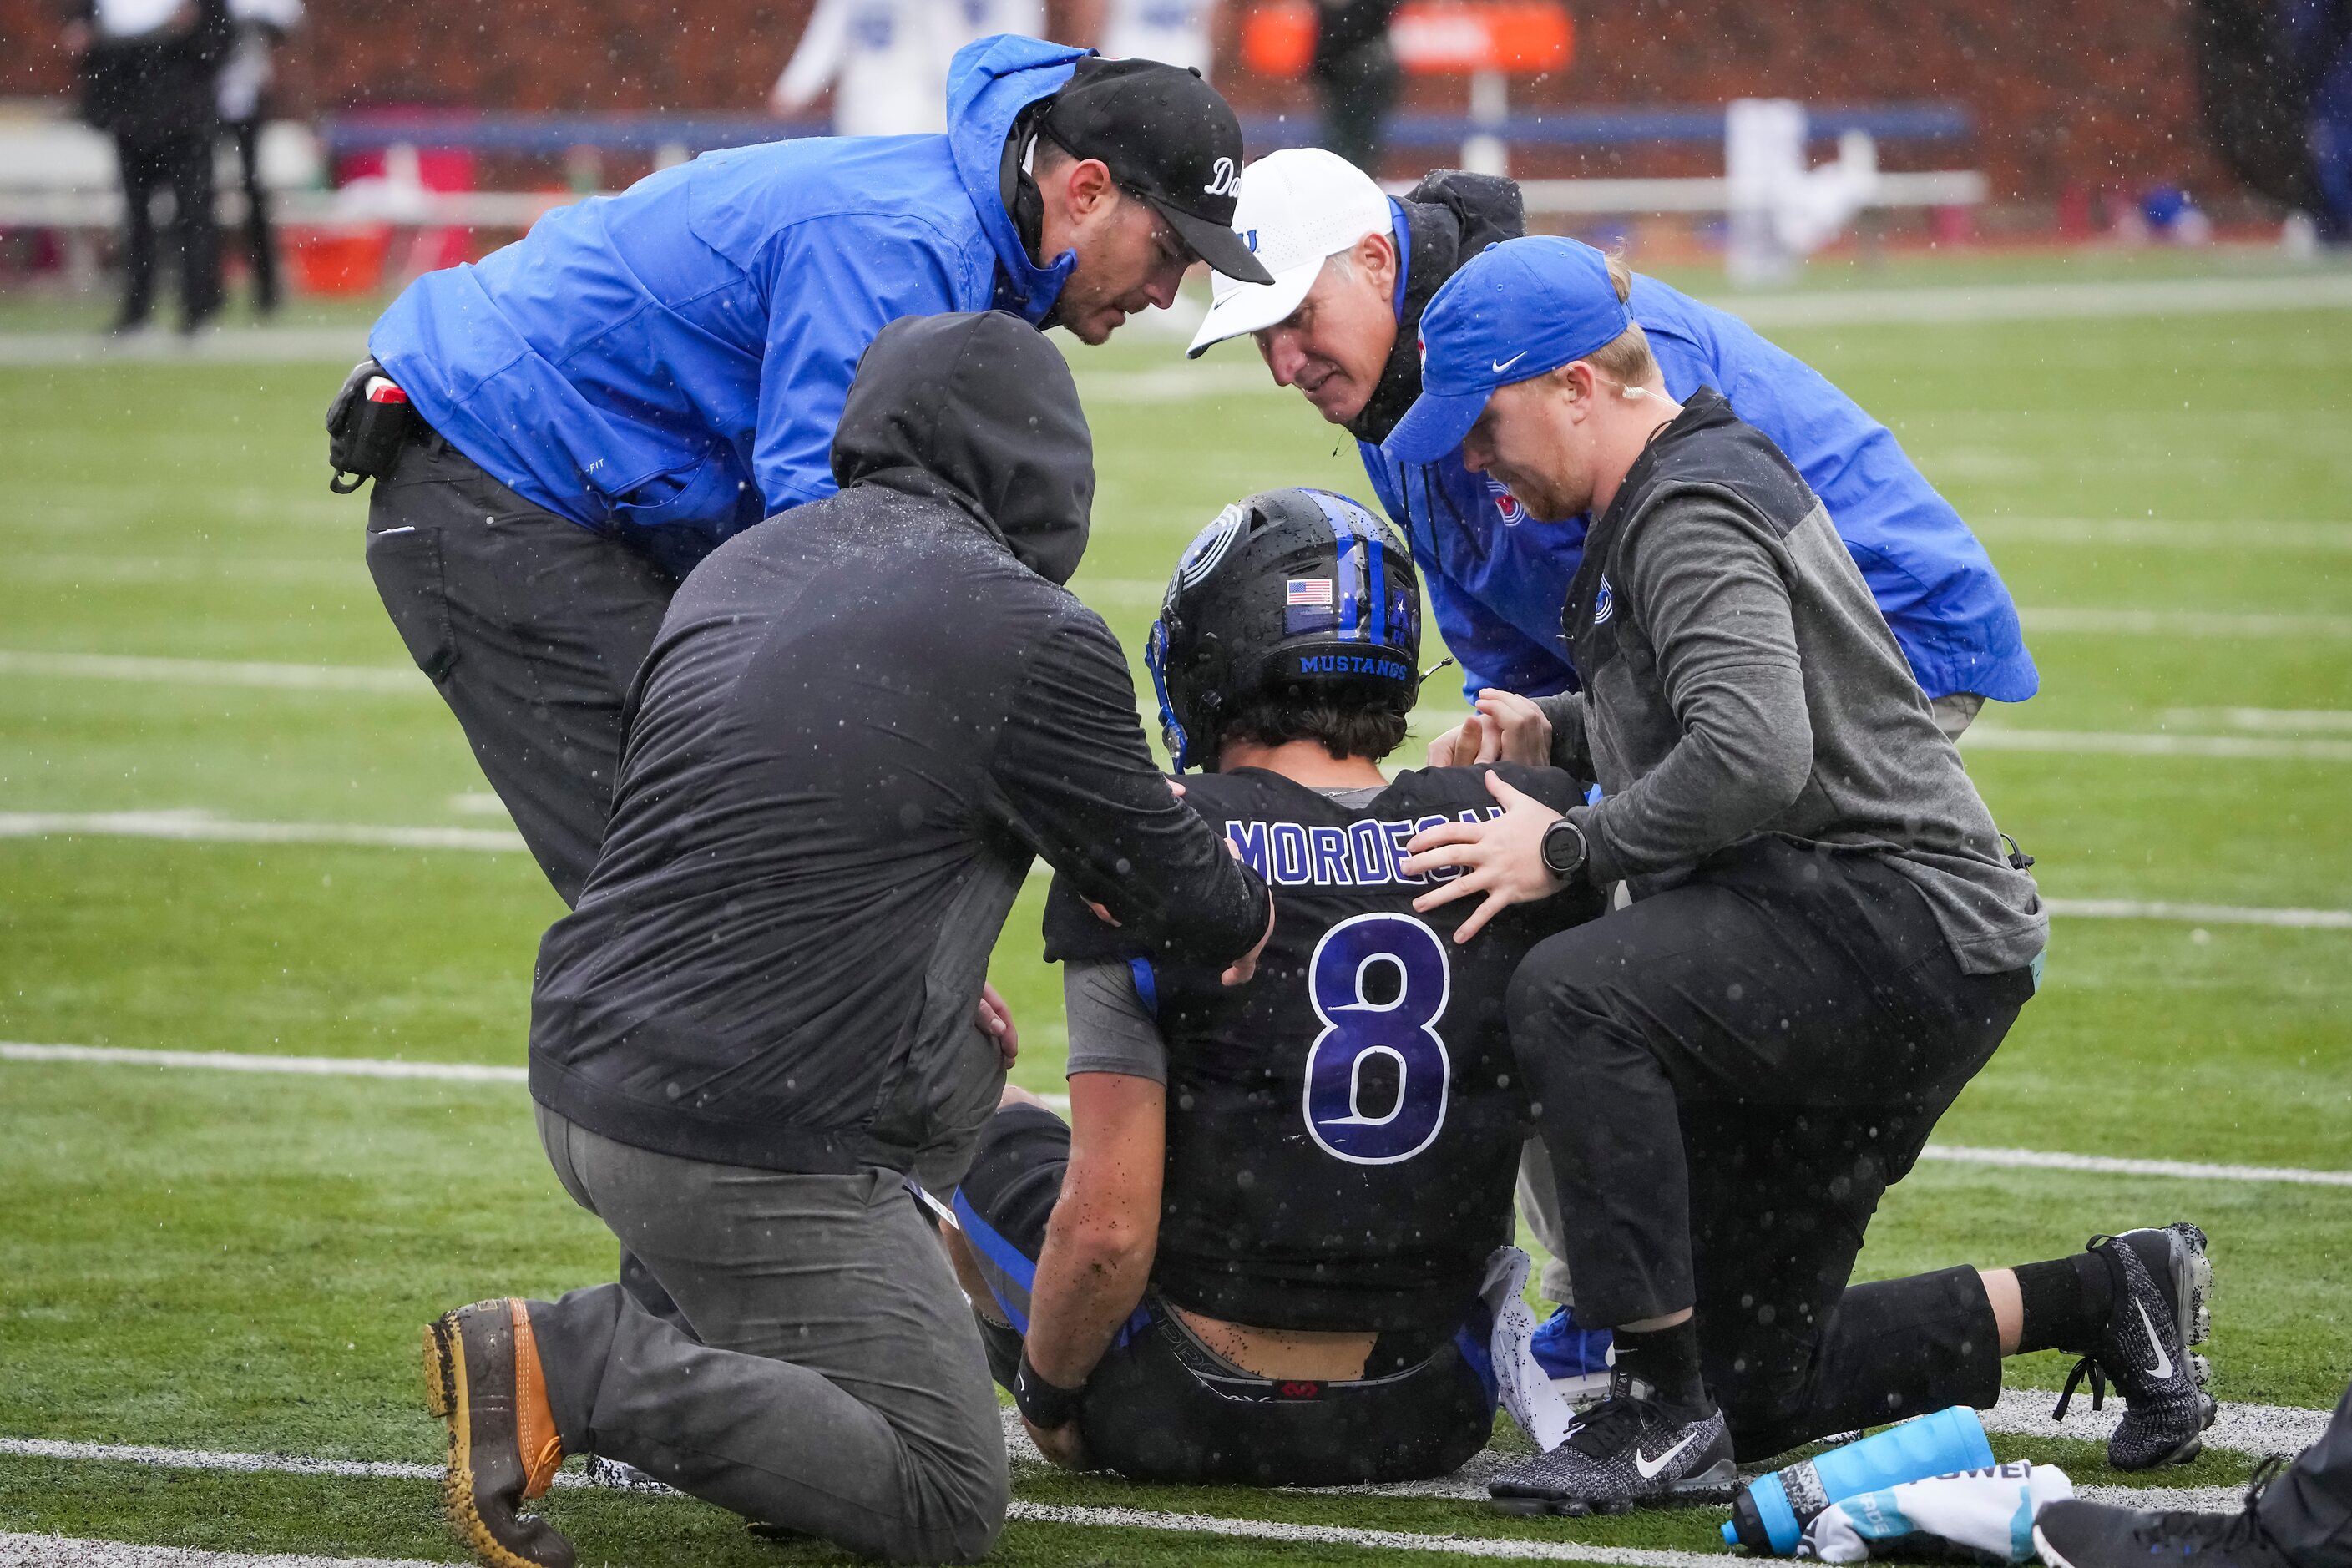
(532, 628)
(2308, 1508)
(1727, 1076)
(261, 246)
(1163, 1406)
(181, 162)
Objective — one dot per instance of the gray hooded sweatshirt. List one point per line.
(1740, 681)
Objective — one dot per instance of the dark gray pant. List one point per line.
(834, 1384)
(1727, 1076)
(2308, 1509)
(532, 628)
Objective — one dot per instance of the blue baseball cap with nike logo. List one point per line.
(1518, 309)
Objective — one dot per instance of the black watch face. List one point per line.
(1563, 847)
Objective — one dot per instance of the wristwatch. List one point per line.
(1564, 849)
(1049, 1406)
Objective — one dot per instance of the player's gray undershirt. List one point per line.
(1110, 1029)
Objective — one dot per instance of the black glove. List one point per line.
(340, 410)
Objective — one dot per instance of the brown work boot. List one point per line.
(482, 1376)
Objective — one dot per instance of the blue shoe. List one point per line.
(1578, 1356)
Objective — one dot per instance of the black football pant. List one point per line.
(532, 628)
(182, 163)
(1727, 1075)
(1163, 1406)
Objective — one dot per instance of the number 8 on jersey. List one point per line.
(1357, 1030)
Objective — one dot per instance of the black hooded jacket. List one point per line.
(859, 723)
(1450, 217)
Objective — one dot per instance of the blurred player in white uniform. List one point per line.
(885, 61)
(1175, 32)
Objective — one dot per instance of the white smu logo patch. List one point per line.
(1604, 604)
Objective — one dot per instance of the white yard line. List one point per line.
(370, 1067)
(240, 1061)
(2133, 743)
(194, 826)
(263, 345)
(392, 680)
(2105, 1164)
(2198, 914)
(2165, 533)
(2188, 623)
(2265, 720)
(2329, 290)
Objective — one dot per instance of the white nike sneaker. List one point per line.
(2161, 1280)
(1627, 1452)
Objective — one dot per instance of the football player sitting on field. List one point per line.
(1255, 1252)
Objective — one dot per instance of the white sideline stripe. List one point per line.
(471, 1072)
(2198, 914)
(389, 679)
(240, 1061)
(2188, 623)
(2253, 1429)
(2188, 1170)
(26, 1550)
(192, 826)
(2165, 533)
(2151, 743)
(69, 1551)
(1335, 1535)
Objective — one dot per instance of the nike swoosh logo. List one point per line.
(1650, 1467)
(2160, 1370)
(1503, 364)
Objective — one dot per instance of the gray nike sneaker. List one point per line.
(2162, 1278)
(1626, 1452)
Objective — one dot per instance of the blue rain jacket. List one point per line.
(1497, 579)
(668, 365)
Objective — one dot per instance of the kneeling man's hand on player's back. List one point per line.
(1502, 857)
(1506, 728)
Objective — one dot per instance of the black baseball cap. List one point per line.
(1169, 138)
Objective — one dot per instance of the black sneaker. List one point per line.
(2161, 1280)
(1626, 1452)
(2071, 1533)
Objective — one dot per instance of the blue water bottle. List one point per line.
(1772, 1512)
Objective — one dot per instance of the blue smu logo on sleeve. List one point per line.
(1360, 854)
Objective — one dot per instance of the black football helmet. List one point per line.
(1293, 592)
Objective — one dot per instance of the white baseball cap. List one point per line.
(1297, 207)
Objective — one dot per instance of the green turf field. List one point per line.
(239, 1262)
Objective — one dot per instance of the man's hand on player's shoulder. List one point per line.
(1502, 857)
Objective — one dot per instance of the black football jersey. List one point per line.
(1343, 1131)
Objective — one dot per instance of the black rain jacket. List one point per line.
(859, 723)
